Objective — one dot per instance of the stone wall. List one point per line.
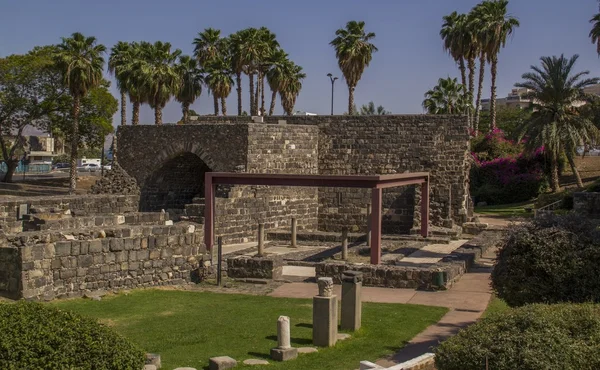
(58, 264)
(587, 204)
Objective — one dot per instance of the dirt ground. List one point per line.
(589, 170)
(49, 185)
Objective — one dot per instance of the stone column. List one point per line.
(351, 300)
(261, 240)
(294, 230)
(368, 225)
(284, 350)
(345, 244)
(325, 321)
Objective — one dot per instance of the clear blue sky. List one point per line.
(409, 61)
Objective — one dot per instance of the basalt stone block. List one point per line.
(221, 363)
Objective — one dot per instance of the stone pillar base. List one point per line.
(284, 354)
(325, 322)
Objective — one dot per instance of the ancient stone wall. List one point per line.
(47, 265)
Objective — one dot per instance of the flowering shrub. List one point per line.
(503, 173)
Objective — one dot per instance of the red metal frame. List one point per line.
(376, 183)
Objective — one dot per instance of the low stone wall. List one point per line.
(587, 204)
(32, 222)
(49, 265)
(255, 267)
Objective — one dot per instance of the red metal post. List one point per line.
(209, 207)
(375, 226)
(425, 208)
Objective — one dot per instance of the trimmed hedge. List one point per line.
(37, 336)
(562, 336)
(552, 259)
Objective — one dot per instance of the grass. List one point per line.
(496, 305)
(187, 328)
(506, 210)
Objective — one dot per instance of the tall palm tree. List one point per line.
(556, 123)
(80, 62)
(207, 47)
(120, 58)
(191, 84)
(447, 97)
(130, 72)
(279, 63)
(595, 32)
(290, 87)
(238, 64)
(497, 25)
(250, 52)
(160, 78)
(268, 45)
(219, 81)
(479, 37)
(354, 51)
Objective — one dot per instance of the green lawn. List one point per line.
(506, 210)
(187, 328)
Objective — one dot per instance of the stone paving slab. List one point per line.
(302, 271)
(432, 253)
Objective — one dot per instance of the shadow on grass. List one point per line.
(297, 341)
(304, 325)
(264, 356)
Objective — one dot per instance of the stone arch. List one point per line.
(178, 148)
(178, 179)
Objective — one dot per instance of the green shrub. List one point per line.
(37, 336)
(534, 337)
(549, 260)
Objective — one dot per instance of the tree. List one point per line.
(507, 119)
(354, 52)
(120, 58)
(133, 79)
(238, 63)
(496, 25)
(371, 110)
(80, 61)
(447, 97)
(191, 84)
(267, 46)
(208, 46)
(595, 32)
(160, 78)
(556, 122)
(279, 62)
(219, 81)
(250, 51)
(29, 89)
(290, 87)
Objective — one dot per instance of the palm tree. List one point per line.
(191, 84)
(354, 51)
(478, 50)
(496, 25)
(80, 62)
(219, 81)
(279, 62)
(371, 110)
(208, 46)
(120, 58)
(446, 98)
(595, 32)
(290, 87)
(268, 45)
(238, 64)
(556, 122)
(250, 52)
(132, 79)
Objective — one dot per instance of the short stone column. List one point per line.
(284, 350)
(294, 232)
(369, 210)
(325, 322)
(261, 240)
(345, 244)
(351, 300)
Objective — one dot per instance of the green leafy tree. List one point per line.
(447, 97)
(218, 79)
(556, 123)
(371, 110)
(120, 58)
(279, 63)
(496, 25)
(191, 84)
(267, 46)
(80, 61)
(595, 31)
(290, 87)
(507, 119)
(208, 46)
(354, 52)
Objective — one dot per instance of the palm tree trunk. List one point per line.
(463, 72)
(262, 96)
(256, 94)
(216, 104)
(135, 116)
(554, 168)
(185, 109)
(251, 79)
(224, 105)
(471, 66)
(273, 99)
(238, 80)
(350, 100)
(74, 144)
(479, 90)
(571, 159)
(493, 97)
(123, 108)
(158, 115)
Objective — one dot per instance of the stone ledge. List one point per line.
(244, 267)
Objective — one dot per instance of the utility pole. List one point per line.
(333, 79)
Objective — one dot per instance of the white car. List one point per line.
(107, 167)
(88, 167)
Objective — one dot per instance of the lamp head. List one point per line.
(329, 75)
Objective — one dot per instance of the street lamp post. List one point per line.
(332, 83)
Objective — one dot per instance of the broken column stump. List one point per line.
(284, 350)
(325, 323)
(351, 300)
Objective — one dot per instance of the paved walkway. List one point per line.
(467, 300)
(431, 253)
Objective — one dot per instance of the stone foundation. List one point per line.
(255, 267)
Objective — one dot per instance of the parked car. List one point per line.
(88, 167)
(59, 166)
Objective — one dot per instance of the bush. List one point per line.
(564, 336)
(37, 336)
(549, 260)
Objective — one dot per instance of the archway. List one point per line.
(174, 184)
